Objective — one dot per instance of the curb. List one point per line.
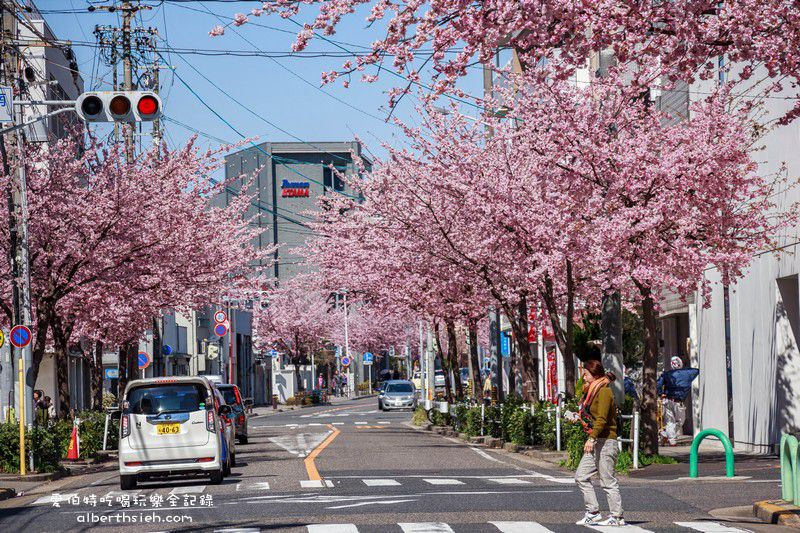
(44, 476)
(778, 512)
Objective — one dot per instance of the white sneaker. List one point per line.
(590, 519)
(612, 521)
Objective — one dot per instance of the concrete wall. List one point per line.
(763, 318)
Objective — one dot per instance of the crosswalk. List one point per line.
(520, 527)
(410, 482)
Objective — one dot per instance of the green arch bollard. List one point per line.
(790, 469)
(726, 443)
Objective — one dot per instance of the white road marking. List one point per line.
(194, 489)
(299, 443)
(380, 482)
(258, 485)
(628, 528)
(360, 423)
(442, 481)
(384, 421)
(315, 424)
(332, 528)
(425, 527)
(521, 527)
(709, 527)
(509, 481)
(97, 482)
(315, 483)
(361, 504)
(337, 423)
(53, 498)
(485, 455)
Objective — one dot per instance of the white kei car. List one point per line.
(172, 426)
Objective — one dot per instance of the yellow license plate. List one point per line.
(168, 429)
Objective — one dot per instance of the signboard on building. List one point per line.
(294, 189)
(6, 105)
(505, 343)
(111, 373)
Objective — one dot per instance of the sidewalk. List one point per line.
(12, 485)
(267, 410)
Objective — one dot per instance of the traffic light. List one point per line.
(118, 106)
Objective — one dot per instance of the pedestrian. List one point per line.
(598, 416)
(51, 408)
(320, 382)
(39, 407)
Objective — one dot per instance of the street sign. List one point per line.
(144, 360)
(505, 344)
(20, 336)
(220, 330)
(2, 339)
(220, 317)
(6, 105)
(368, 358)
(346, 360)
(111, 373)
(166, 349)
(273, 353)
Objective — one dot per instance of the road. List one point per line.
(350, 468)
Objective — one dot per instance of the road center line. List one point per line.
(311, 468)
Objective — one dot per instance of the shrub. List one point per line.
(108, 399)
(91, 431)
(518, 427)
(420, 417)
(41, 440)
(440, 419)
(363, 387)
(472, 422)
(574, 438)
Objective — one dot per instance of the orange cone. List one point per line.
(72, 451)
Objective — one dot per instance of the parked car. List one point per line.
(172, 426)
(234, 398)
(229, 425)
(398, 394)
(438, 379)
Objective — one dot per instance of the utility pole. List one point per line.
(127, 72)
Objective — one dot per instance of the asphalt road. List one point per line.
(352, 468)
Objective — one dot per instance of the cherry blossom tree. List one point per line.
(112, 243)
(684, 37)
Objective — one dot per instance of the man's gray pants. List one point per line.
(601, 461)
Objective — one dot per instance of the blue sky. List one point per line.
(291, 101)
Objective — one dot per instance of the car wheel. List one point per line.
(243, 439)
(216, 477)
(233, 460)
(226, 469)
(127, 482)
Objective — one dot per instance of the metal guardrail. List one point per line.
(726, 443)
(634, 418)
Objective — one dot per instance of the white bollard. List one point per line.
(636, 439)
(105, 431)
(558, 425)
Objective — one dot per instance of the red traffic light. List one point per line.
(147, 105)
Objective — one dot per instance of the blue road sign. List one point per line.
(144, 360)
(346, 360)
(6, 105)
(273, 353)
(368, 358)
(505, 344)
(20, 336)
(220, 330)
(166, 349)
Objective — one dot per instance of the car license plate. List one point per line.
(168, 429)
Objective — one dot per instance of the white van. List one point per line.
(171, 426)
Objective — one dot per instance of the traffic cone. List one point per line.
(72, 451)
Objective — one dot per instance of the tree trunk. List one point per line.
(39, 342)
(448, 391)
(527, 356)
(649, 406)
(452, 354)
(132, 350)
(96, 367)
(477, 385)
(122, 377)
(61, 355)
(569, 336)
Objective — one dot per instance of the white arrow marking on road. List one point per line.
(425, 527)
(300, 443)
(710, 527)
(332, 528)
(521, 527)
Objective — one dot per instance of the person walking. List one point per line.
(598, 416)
